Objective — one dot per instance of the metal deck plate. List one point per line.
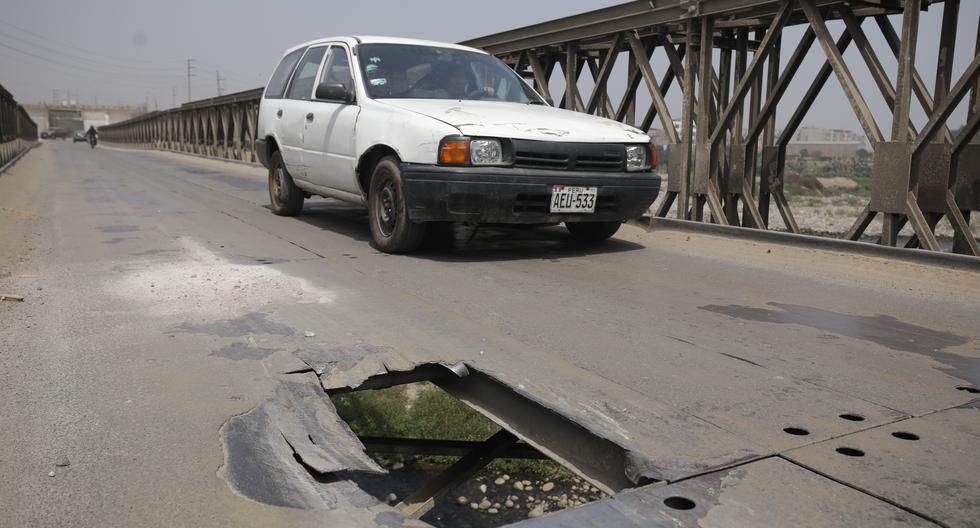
(771, 492)
(936, 475)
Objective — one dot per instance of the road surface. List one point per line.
(163, 300)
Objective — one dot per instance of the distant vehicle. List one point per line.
(79, 136)
(58, 133)
(423, 132)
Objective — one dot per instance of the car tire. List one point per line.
(593, 231)
(286, 198)
(391, 229)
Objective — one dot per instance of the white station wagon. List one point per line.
(423, 132)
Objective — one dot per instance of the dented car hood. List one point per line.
(522, 121)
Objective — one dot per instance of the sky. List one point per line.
(134, 52)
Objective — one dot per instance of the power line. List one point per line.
(77, 66)
(46, 38)
(99, 78)
(76, 56)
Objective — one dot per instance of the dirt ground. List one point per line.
(832, 214)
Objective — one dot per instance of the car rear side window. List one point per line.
(301, 86)
(277, 84)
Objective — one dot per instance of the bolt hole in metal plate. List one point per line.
(850, 451)
(905, 435)
(679, 503)
(852, 417)
(967, 388)
(796, 431)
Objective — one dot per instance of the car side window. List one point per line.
(337, 67)
(277, 84)
(301, 87)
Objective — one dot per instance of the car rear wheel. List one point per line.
(593, 231)
(391, 229)
(285, 196)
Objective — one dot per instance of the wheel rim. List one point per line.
(387, 208)
(278, 185)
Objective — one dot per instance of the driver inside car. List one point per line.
(456, 83)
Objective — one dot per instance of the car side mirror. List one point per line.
(549, 100)
(334, 92)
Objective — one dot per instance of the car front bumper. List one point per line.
(520, 196)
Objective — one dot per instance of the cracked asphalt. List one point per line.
(161, 296)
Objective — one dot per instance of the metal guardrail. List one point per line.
(18, 132)
(724, 154)
(220, 127)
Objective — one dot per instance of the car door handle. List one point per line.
(309, 116)
(279, 113)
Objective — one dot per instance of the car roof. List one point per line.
(369, 39)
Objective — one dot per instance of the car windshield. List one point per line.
(427, 72)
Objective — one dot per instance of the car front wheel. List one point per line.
(391, 229)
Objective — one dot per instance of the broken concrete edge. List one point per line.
(364, 367)
(912, 256)
(290, 450)
(638, 469)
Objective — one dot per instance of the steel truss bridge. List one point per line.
(181, 343)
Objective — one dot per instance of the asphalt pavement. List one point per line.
(162, 298)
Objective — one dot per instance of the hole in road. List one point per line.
(679, 503)
(850, 451)
(967, 388)
(905, 435)
(852, 417)
(796, 431)
(424, 432)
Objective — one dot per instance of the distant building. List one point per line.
(77, 117)
(825, 142)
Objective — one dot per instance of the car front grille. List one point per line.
(538, 160)
(601, 157)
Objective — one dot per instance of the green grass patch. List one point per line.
(425, 411)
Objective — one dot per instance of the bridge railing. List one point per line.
(221, 127)
(18, 132)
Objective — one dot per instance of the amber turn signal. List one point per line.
(454, 152)
(654, 157)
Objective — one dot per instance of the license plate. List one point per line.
(573, 199)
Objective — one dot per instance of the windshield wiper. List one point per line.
(537, 102)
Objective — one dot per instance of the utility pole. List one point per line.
(218, 79)
(189, 75)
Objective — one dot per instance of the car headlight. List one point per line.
(459, 150)
(637, 157)
(486, 152)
